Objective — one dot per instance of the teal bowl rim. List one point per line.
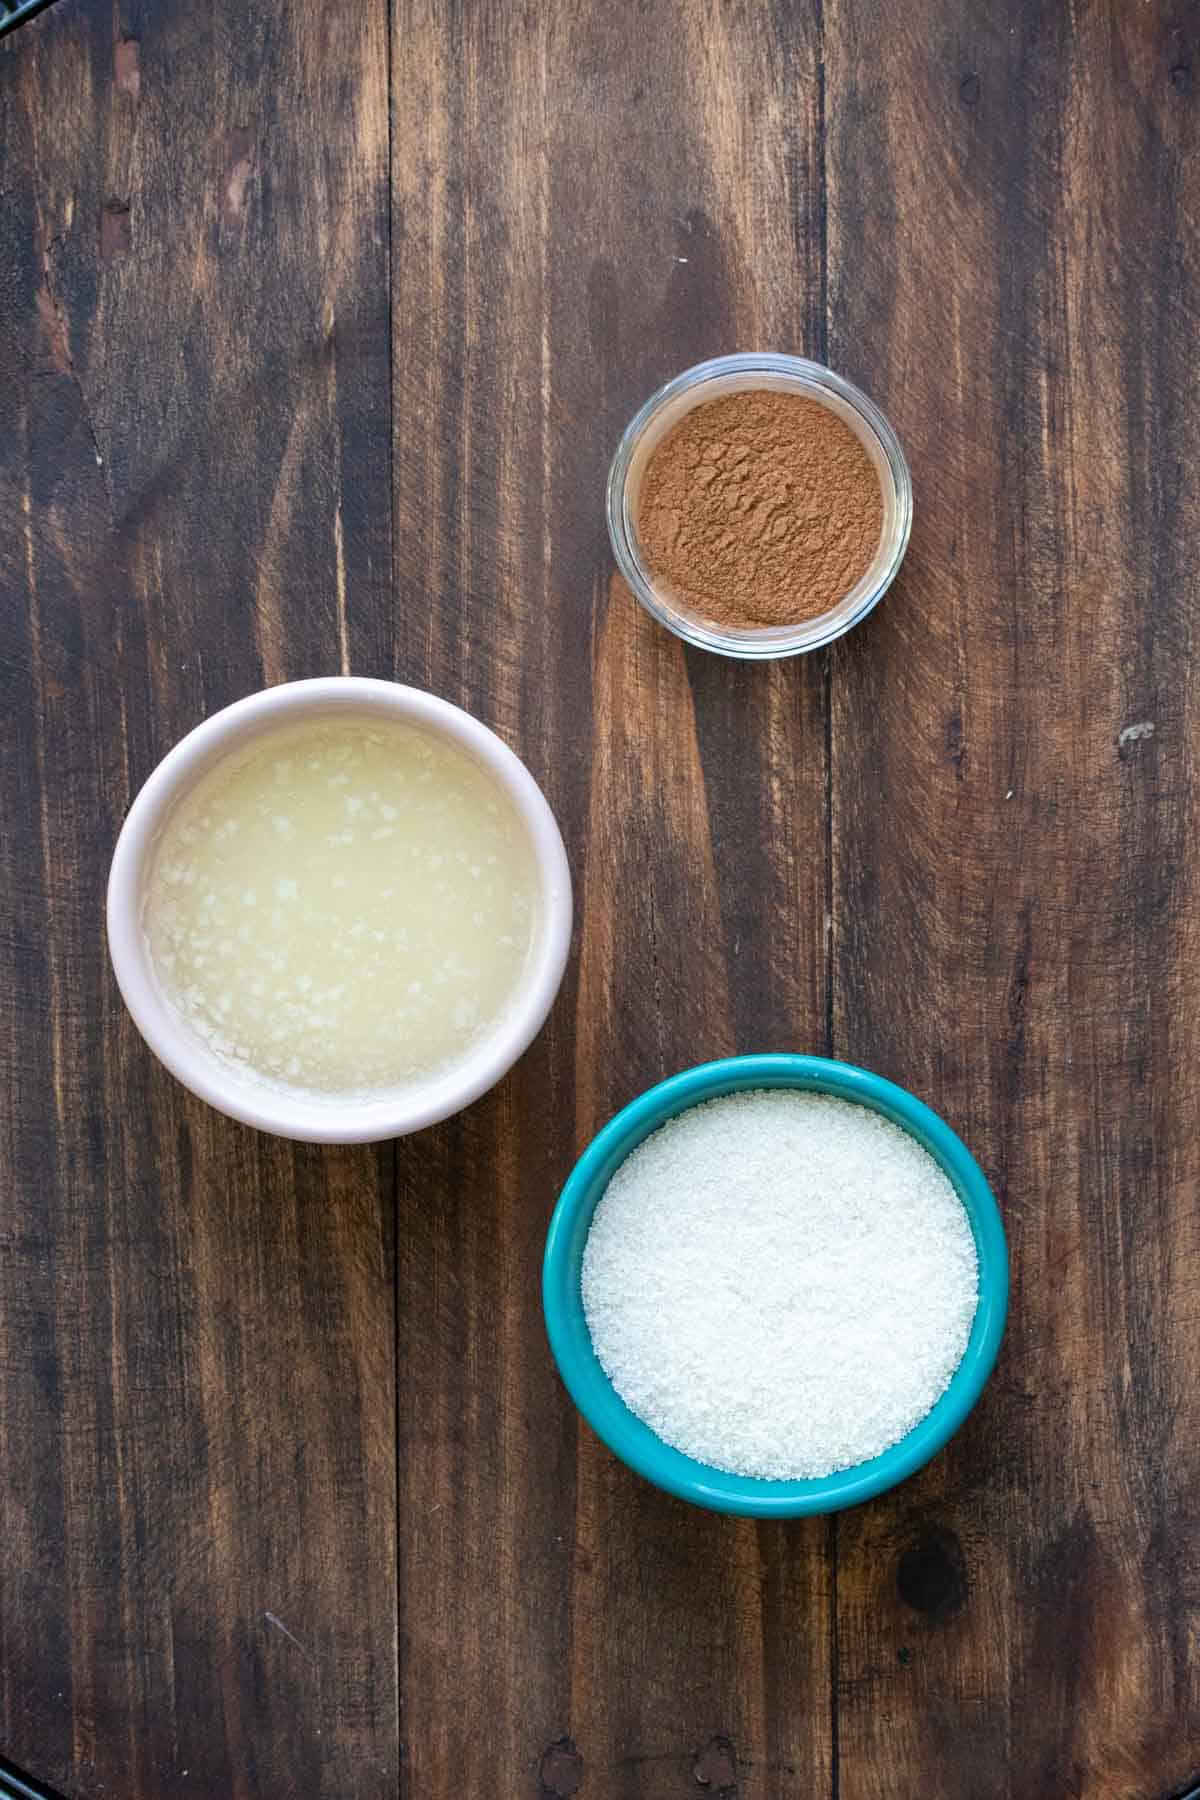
(596, 1398)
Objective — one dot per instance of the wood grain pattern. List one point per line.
(1015, 268)
(292, 1502)
(560, 252)
(197, 1502)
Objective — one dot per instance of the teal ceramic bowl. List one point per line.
(589, 1386)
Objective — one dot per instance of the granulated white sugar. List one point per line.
(780, 1284)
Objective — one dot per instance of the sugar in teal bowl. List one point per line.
(593, 1393)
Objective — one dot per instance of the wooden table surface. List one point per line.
(318, 325)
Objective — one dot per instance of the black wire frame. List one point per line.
(15, 12)
(14, 1783)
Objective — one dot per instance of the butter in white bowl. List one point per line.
(339, 909)
(345, 905)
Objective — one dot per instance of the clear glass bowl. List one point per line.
(727, 375)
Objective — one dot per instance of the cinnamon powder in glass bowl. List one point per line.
(759, 505)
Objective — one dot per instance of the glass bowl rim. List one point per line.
(771, 643)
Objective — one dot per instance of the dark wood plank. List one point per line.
(572, 225)
(991, 222)
(196, 1323)
(1014, 249)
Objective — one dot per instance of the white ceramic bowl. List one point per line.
(315, 1118)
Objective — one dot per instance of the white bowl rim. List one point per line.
(337, 1120)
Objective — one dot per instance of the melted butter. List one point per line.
(345, 905)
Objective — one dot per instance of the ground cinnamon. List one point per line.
(759, 508)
